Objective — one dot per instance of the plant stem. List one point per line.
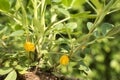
(60, 21)
(35, 9)
(56, 23)
(91, 5)
(37, 66)
(97, 22)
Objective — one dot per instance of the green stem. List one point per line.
(35, 9)
(42, 19)
(71, 43)
(91, 5)
(60, 21)
(24, 19)
(40, 28)
(56, 23)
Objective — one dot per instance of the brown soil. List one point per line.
(40, 76)
(43, 76)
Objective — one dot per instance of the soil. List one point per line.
(40, 76)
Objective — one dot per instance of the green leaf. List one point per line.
(4, 5)
(62, 41)
(62, 10)
(86, 51)
(17, 6)
(113, 31)
(78, 4)
(59, 26)
(89, 25)
(96, 34)
(106, 27)
(11, 76)
(71, 25)
(18, 27)
(5, 70)
(20, 68)
(39, 27)
(83, 66)
(3, 30)
(17, 33)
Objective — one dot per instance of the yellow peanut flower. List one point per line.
(64, 59)
(28, 46)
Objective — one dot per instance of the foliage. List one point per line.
(58, 28)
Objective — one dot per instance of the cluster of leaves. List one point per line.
(56, 27)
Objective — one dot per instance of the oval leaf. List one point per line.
(11, 76)
(113, 31)
(89, 25)
(71, 25)
(62, 10)
(3, 30)
(17, 33)
(106, 27)
(5, 70)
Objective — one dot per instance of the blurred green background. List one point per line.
(104, 60)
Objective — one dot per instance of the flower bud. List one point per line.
(64, 59)
(28, 46)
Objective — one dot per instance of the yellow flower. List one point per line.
(64, 59)
(29, 46)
